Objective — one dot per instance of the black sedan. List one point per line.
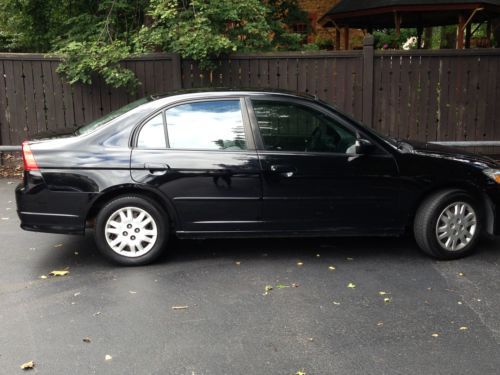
(246, 164)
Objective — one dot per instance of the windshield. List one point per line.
(110, 116)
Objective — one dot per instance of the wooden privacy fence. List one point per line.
(433, 95)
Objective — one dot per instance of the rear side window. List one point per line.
(152, 135)
(209, 125)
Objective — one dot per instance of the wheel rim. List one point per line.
(456, 226)
(131, 232)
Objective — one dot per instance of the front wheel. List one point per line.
(131, 231)
(448, 224)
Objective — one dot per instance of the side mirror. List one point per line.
(364, 146)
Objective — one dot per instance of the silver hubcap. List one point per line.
(456, 226)
(131, 232)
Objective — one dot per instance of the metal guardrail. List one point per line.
(469, 143)
(10, 148)
(447, 143)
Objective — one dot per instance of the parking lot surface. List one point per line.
(337, 306)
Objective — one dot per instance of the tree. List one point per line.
(93, 36)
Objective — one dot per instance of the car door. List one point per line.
(199, 154)
(313, 179)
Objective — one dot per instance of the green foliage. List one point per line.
(93, 36)
(387, 38)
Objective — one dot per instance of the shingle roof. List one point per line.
(359, 13)
(355, 5)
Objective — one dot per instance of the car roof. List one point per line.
(217, 92)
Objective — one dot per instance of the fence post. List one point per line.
(368, 57)
(177, 71)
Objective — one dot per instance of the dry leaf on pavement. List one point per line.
(183, 307)
(28, 365)
(59, 273)
(351, 285)
(108, 357)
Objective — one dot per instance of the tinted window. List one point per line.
(292, 127)
(211, 125)
(152, 134)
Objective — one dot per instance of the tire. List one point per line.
(136, 225)
(456, 236)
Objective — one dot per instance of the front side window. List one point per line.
(294, 127)
(210, 125)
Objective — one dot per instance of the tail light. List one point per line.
(28, 158)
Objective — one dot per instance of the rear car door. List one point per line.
(200, 154)
(312, 178)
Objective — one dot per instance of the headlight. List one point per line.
(494, 174)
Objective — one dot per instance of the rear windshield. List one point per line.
(110, 116)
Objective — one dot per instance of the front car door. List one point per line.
(201, 155)
(312, 177)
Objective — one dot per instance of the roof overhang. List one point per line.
(411, 15)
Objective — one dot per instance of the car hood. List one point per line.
(446, 152)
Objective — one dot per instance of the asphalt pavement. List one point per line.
(337, 306)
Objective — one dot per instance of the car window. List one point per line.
(294, 127)
(152, 135)
(209, 125)
(110, 116)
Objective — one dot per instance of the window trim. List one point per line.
(313, 106)
(247, 129)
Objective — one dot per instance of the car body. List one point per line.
(248, 163)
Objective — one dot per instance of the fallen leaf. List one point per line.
(184, 307)
(435, 335)
(380, 324)
(383, 293)
(76, 253)
(310, 339)
(108, 357)
(28, 365)
(349, 259)
(5, 218)
(318, 255)
(300, 264)
(351, 285)
(267, 288)
(59, 273)
(295, 285)
(459, 302)
(336, 303)
(387, 300)
(463, 328)
(301, 372)
(97, 313)
(43, 277)
(331, 268)
(238, 263)
(76, 294)
(461, 274)
(281, 286)
(87, 339)
(132, 292)
(58, 245)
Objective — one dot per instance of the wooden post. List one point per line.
(488, 33)
(368, 57)
(337, 38)
(397, 24)
(468, 35)
(420, 31)
(346, 38)
(460, 31)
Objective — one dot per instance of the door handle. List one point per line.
(283, 170)
(157, 169)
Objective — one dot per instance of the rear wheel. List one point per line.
(448, 224)
(131, 230)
